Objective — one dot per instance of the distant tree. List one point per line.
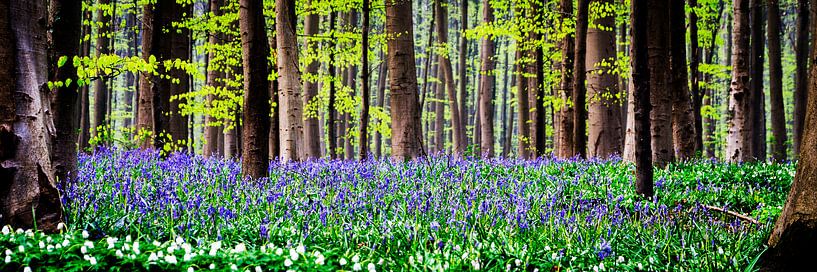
(579, 81)
(757, 111)
(776, 81)
(741, 126)
(215, 78)
(29, 196)
(255, 47)
(457, 119)
(103, 47)
(405, 113)
(312, 137)
(640, 14)
(564, 117)
(67, 16)
(487, 85)
(683, 119)
(289, 80)
(365, 92)
(604, 111)
(660, 96)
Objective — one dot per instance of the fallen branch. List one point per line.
(740, 216)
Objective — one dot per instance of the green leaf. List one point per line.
(61, 61)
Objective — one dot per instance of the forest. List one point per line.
(408, 135)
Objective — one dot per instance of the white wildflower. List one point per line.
(27, 269)
(356, 267)
(287, 262)
(19, 231)
(6, 230)
(320, 259)
(300, 249)
(85, 234)
(128, 238)
(258, 269)
(171, 259)
(190, 269)
(411, 260)
(214, 247)
(720, 250)
(42, 244)
(8, 252)
(21, 248)
(212, 266)
(119, 253)
(293, 254)
(240, 248)
(49, 248)
(517, 262)
(179, 240)
(475, 264)
(61, 226)
(233, 267)
(65, 243)
(355, 258)
(601, 266)
(343, 261)
(156, 243)
(152, 257)
(88, 244)
(187, 257)
(380, 262)
(507, 267)
(620, 259)
(279, 251)
(92, 260)
(8, 259)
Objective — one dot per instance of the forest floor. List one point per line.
(134, 210)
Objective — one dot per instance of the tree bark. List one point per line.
(565, 116)
(801, 78)
(487, 85)
(403, 81)
(254, 47)
(145, 110)
(439, 110)
(460, 122)
(215, 79)
(791, 244)
(758, 111)
(776, 82)
(683, 118)
(84, 115)
(29, 196)
(292, 127)
(331, 111)
(274, 138)
(381, 94)
(741, 126)
(507, 118)
(457, 121)
(660, 96)
(180, 41)
(66, 43)
(103, 47)
(312, 137)
(640, 62)
(604, 112)
(694, 79)
(365, 92)
(579, 87)
(523, 105)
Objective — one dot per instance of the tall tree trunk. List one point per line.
(439, 110)
(365, 92)
(801, 78)
(564, 122)
(312, 137)
(331, 111)
(145, 110)
(103, 47)
(579, 88)
(791, 244)
(29, 196)
(776, 82)
(523, 105)
(741, 125)
(130, 78)
(215, 79)
(683, 119)
(180, 49)
(604, 111)
(487, 85)
(694, 79)
(381, 94)
(84, 115)
(506, 105)
(403, 81)
(351, 78)
(640, 62)
(457, 121)
(660, 96)
(274, 138)
(255, 46)
(66, 43)
(292, 127)
(757, 112)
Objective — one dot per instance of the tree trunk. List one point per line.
(312, 137)
(564, 122)
(274, 136)
(180, 49)
(776, 82)
(85, 117)
(506, 105)
(487, 85)
(66, 43)
(215, 79)
(801, 78)
(579, 88)
(640, 62)
(758, 111)
(604, 111)
(457, 119)
(381, 94)
(145, 111)
(739, 138)
(292, 127)
(255, 46)
(130, 78)
(103, 47)
(463, 89)
(365, 92)
(694, 79)
(403, 81)
(660, 96)
(439, 110)
(523, 105)
(331, 112)
(683, 118)
(791, 244)
(29, 196)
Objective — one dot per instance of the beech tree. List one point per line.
(641, 12)
(741, 126)
(65, 42)
(801, 78)
(487, 85)
(254, 47)
(405, 112)
(776, 82)
(29, 195)
(683, 119)
(660, 96)
(312, 138)
(579, 78)
(604, 113)
(457, 118)
(564, 117)
(289, 80)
